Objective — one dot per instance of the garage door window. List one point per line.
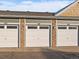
(72, 27)
(62, 27)
(32, 27)
(43, 27)
(11, 27)
(1, 27)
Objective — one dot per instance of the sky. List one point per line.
(34, 5)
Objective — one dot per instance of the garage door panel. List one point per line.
(8, 36)
(4, 45)
(44, 37)
(62, 37)
(12, 33)
(67, 37)
(7, 44)
(31, 36)
(44, 34)
(33, 33)
(2, 34)
(37, 37)
(12, 36)
(73, 38)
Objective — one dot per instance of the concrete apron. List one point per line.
(59, 49)
(25, 49)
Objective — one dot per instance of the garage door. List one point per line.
(8, 36)
(67, 36)
(37, 36)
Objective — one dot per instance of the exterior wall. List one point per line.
(22, 22)
(72, 10)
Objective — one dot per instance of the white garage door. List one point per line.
(67, 36)
(8, 36)
(37, 36)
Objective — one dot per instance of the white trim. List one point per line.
(37, 24)
(45, 23)
(8, 23)
(16, 16)
(2, 23)
(31, 23)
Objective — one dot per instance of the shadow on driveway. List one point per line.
(52, 54)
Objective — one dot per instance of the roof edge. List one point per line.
(26, 11)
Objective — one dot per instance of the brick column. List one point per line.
(22, 32)
(54, 33)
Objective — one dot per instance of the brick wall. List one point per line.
(53, 33)
(22, 32)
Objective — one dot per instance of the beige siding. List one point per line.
(66, 22)
(9, 20)
(38, 21)
(72, 10)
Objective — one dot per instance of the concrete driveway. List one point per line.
(36, 53)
